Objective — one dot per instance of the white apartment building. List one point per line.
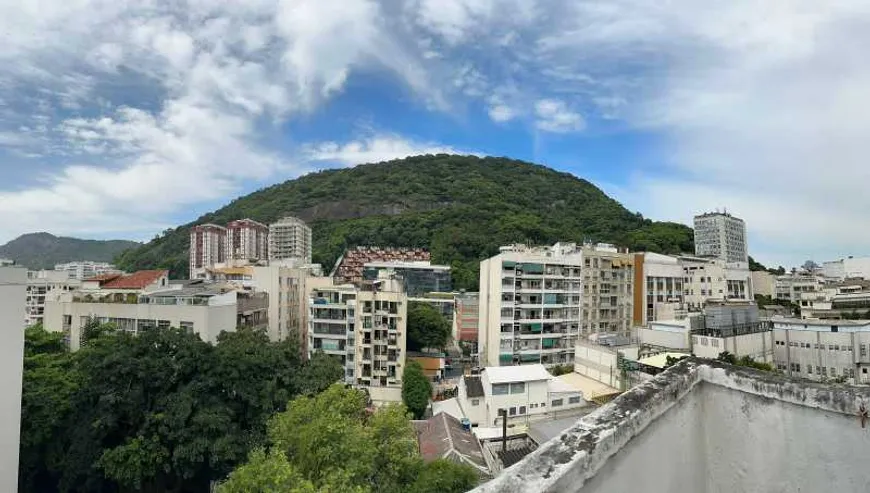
(82, 270)
(5, 262)
(849, 267)
(13, 286)
(45, 284)
(794, 287)
(366, 328)
(526, 392)
(608, 290)
(823, 350)
(149, 302)
(530, 302)
(207, 248)
(707, 279)
(247, 239)
(658, 282)
(290, 238)
(721, 235)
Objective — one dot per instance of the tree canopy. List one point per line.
(416, 389)
(427, 327)
(331, 442)
(161, 411)
(462, 208)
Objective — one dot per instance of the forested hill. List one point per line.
(44, 250)
(462, 208)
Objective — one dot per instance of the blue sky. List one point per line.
(121, 118)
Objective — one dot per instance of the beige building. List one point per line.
(290, 238)
(147, 301)
(608, 291)
(42, 284)
(207, 248)
(13, 285)
(247, 240)
(365, 328)
(763, 283)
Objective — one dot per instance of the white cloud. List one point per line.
(501, 113)
(555, 116)
(373, 149)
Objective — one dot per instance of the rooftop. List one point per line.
(443, 437)
(705, 426)
(519, 373)
(136, 280)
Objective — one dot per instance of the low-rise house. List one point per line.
(445, 437)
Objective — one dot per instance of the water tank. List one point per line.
(466, 424)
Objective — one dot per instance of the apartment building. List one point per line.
(290, 238)
(823, 349)
(247, 239)
(146, 301)
(84, 269)
(721, 235)
(13, 289)
(45, 284)
(608, 290)
(207, 248)
(846, 268)
(530, 302)
(366, 328)
(349, 268)
(794, 287)
(667, 284)
(466, 315)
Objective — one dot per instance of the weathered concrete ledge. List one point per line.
(567, 462)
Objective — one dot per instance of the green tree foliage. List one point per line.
(561, 370)
(462, 208)
(331, 443)
(747, 361)
(416, 389)
(161, 411)
(427, 327)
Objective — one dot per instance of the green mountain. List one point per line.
(462, 208)
(44, 250)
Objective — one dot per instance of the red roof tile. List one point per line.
(104, 277)
(136, 280)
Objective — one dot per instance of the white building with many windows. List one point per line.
(823, 349)
(45, 284)
(82, 270)
(721, 235)
(290, 238)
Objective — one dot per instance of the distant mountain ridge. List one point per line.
(461, 208)
(44, 250)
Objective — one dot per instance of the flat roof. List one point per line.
(660, 360)
(448, 406)
(588, 386)
(519, 373)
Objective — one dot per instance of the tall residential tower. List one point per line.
(290, 238)
(720, 235)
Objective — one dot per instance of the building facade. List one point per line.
(365, 327)
(608, 291)
(794, 287)
(658, 282)
(530, 302)
(45, 284)
(845, 268)
(721, 235)
(466, 314)
(13, 291)
(823, 349)
(207, 247)
(290, 238)
(85, 269)
(763, 283)
(418, 277)
(247, 239)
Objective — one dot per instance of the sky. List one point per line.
(120, 118)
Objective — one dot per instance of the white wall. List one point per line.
(12, 300)
(597, 363)
(665, 335)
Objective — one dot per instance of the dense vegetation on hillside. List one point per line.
(44, 250)
(161, 412)
(462, 208)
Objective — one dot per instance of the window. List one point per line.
(863, 350)
(833, 372)
(851, 373)
(501, 389)
(513, 411)
(522, 410)
(533, 405)
(574, 400)
(543, 404)
(830, 347)
(475, 402)
(186, 326)
(163, 324)
(836, 347)
(810, 369)
(518, 388)
(557, 402)
(864, 370)
(824, 371)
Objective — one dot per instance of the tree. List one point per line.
(416, 389)
(331, 442)
(319, 373)
(561, 370)
(442, 475)
(427, 327)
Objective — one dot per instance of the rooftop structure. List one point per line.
(701, 426)
(141, 280)
(418, 277)
(849, 267)
(349, 268)
(444, 437)
(720, 235)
